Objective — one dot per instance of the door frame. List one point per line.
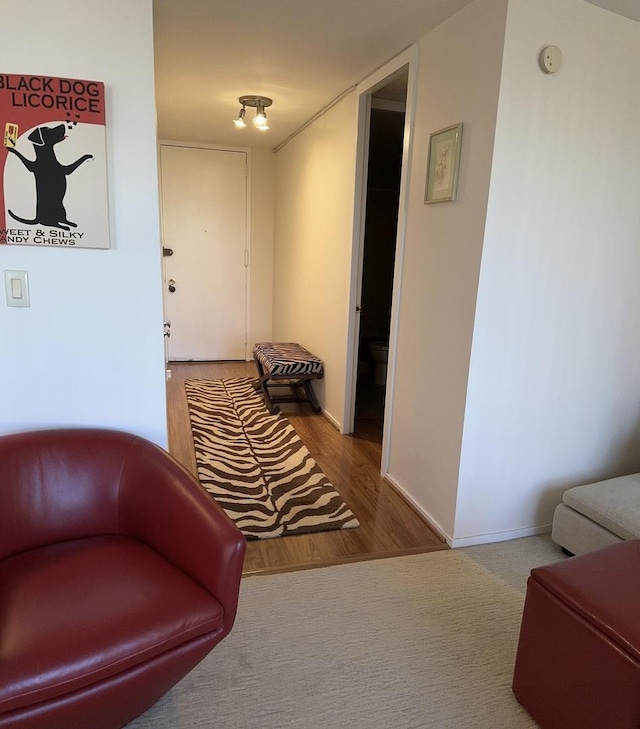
(247, 284)
(378, 79)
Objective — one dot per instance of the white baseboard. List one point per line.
(499, 536)
(332, 420)
(423, 512)
(465, 541)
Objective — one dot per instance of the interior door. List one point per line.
(204, 223)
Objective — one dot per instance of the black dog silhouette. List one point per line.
(51, 178)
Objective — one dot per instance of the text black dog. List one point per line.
(51, 178)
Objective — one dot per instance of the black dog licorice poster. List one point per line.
(53, 185)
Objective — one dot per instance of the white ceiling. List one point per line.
(301, 53)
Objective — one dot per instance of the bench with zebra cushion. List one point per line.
(286, 365)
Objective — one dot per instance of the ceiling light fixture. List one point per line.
(260, 103)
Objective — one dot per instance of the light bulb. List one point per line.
(260, 119)
(240, 122)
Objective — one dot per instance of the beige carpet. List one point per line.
(419, 642)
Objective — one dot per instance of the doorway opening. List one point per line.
(387, 110)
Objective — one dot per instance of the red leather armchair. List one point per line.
(118, 574)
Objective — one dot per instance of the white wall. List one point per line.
(458, 81)
(516, 372)
(89, 350)
(554, 390)
(263, 170)
(312, 250)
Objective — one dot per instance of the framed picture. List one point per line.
(443, 161)
(53, 162)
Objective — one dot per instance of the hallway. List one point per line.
(388, 525)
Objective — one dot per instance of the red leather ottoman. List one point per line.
(578, 660)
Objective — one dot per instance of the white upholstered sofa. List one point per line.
(598, 514)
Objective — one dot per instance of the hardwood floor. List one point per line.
(388, 524)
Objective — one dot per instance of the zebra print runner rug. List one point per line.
(256, 467)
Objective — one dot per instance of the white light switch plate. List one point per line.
(16, 286)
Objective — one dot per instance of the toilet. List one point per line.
(379, 351)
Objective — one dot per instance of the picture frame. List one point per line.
(443, 163)
(53, 198)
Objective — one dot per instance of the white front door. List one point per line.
(204, 223)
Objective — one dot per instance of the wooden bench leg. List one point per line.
(302, 389)
(311, 396)
(261, 384)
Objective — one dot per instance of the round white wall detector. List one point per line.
(550, 59)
